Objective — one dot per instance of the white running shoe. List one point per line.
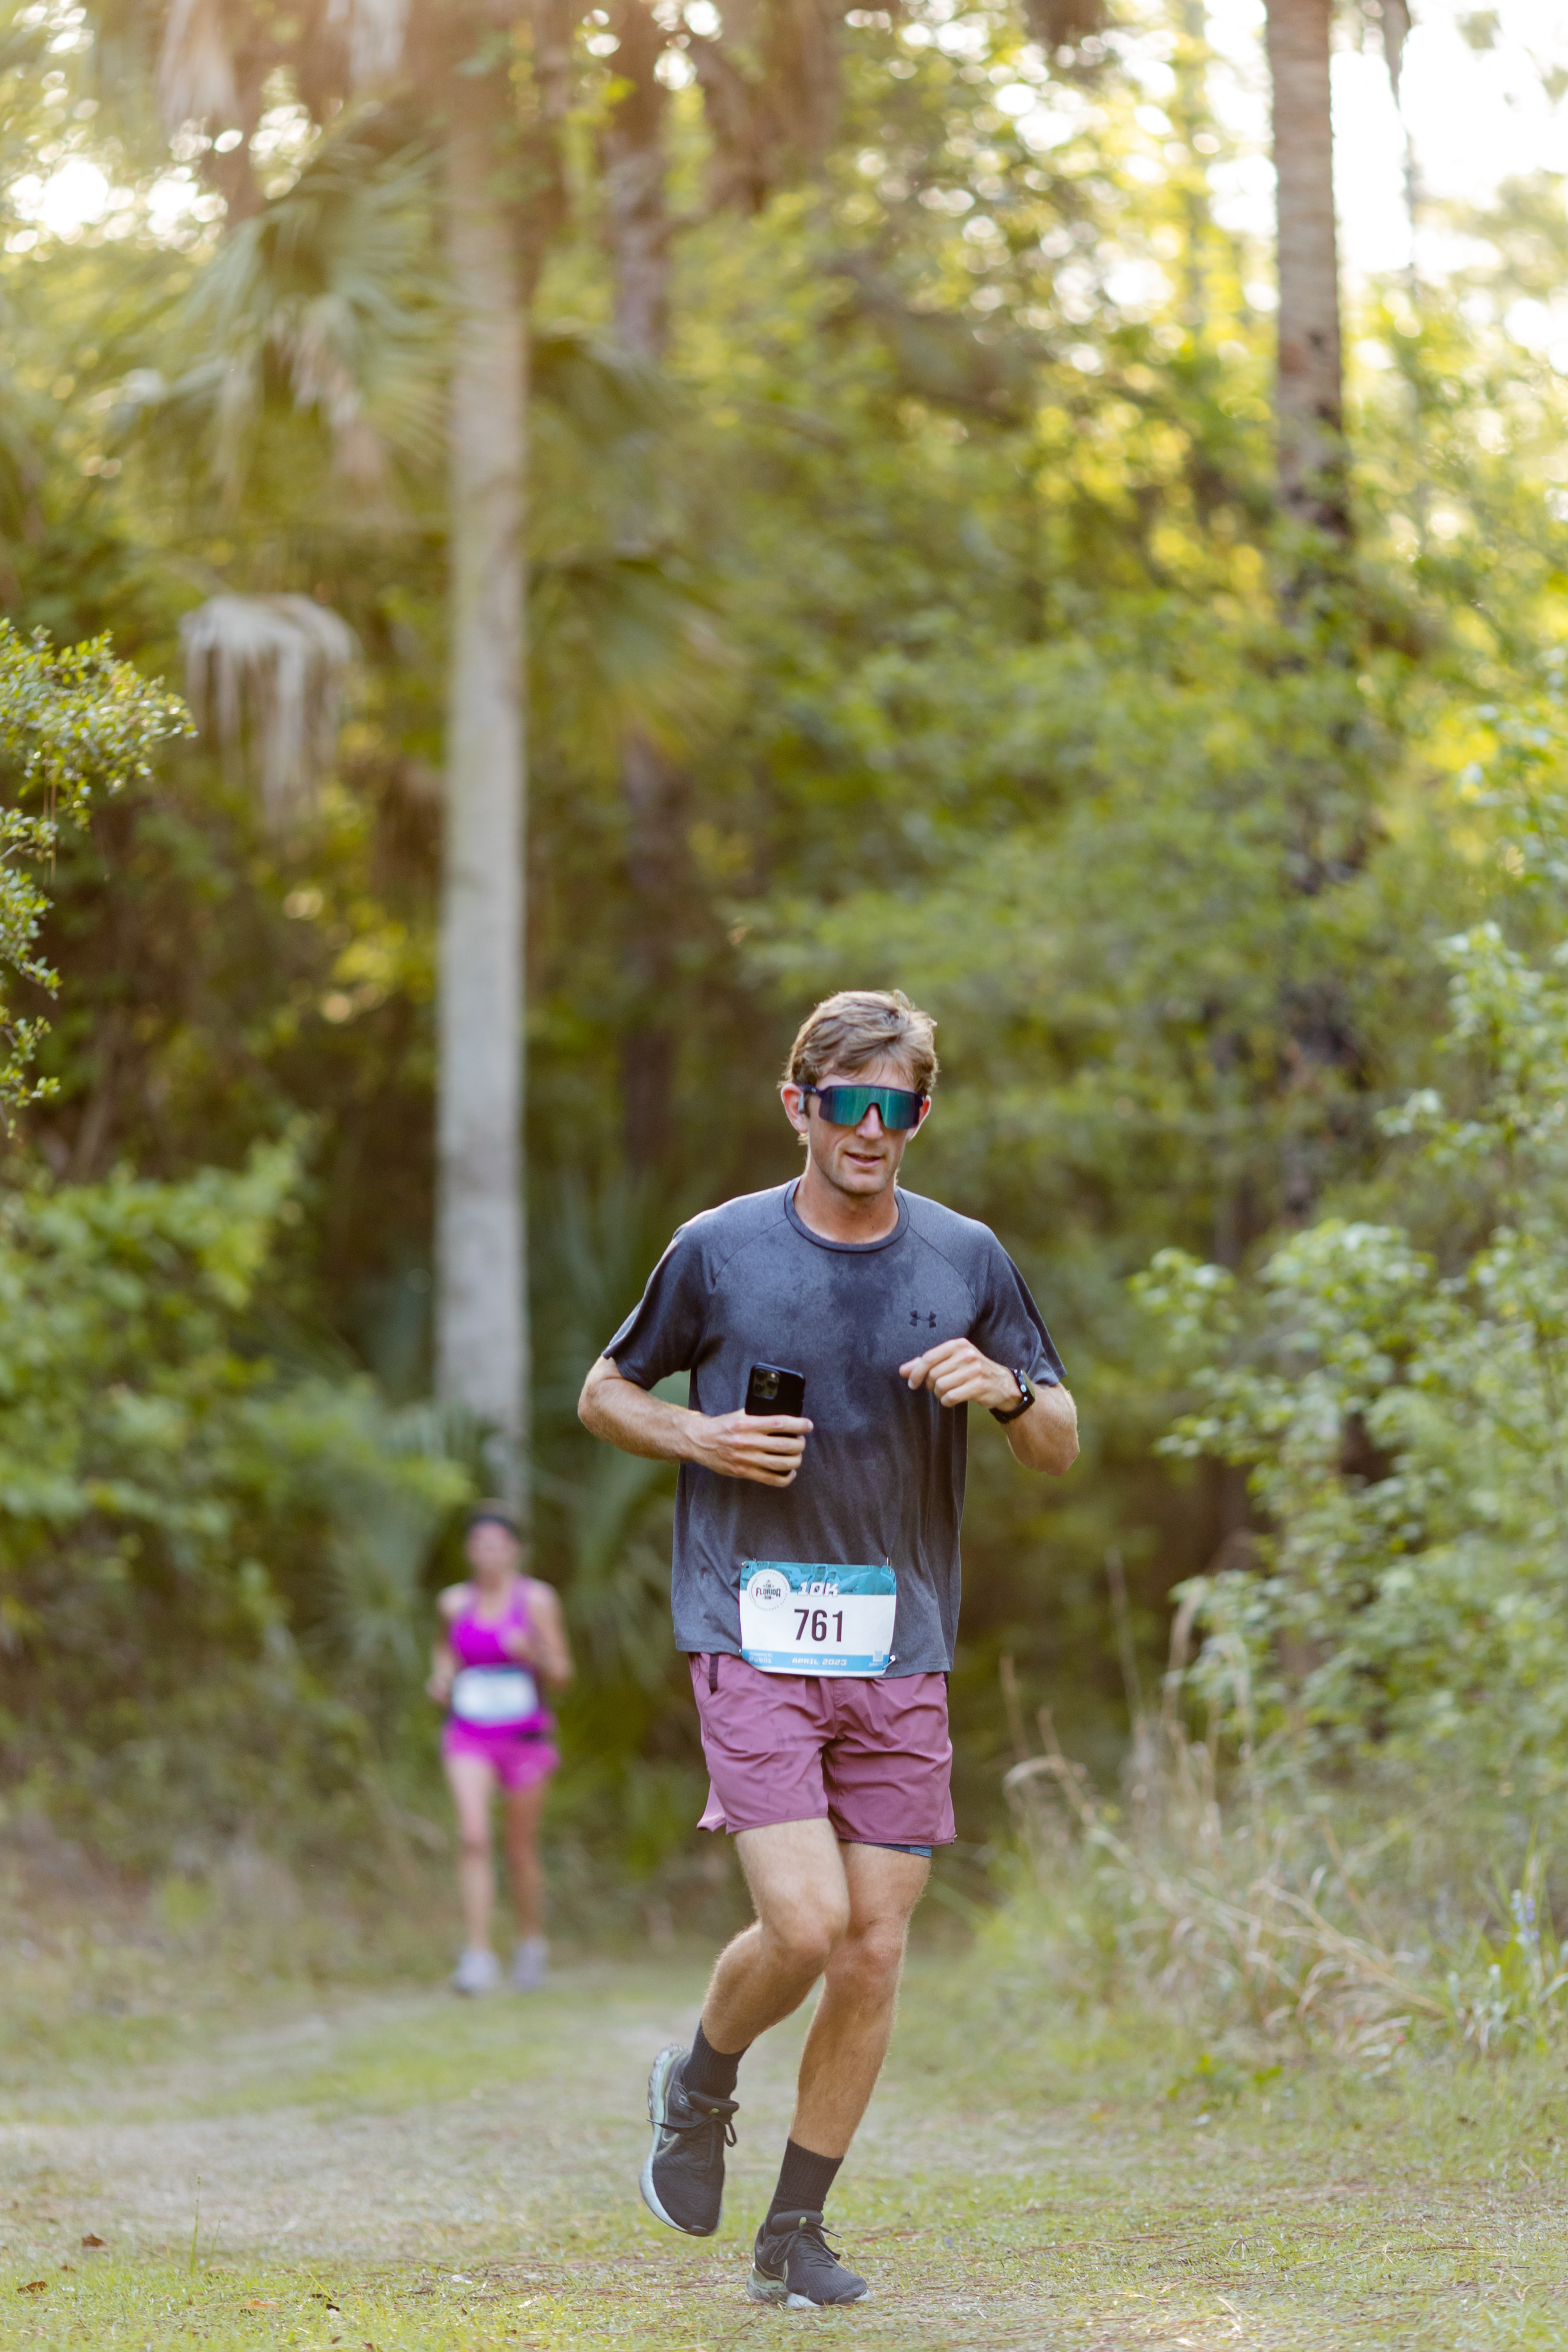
(530, 1965)
(476, 1971)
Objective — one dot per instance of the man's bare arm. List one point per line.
(1046, 1436)
(765, 1447)
(1043, 1438)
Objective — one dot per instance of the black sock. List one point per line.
(710, 2072)
(804, 2181)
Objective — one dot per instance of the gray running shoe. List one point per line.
(792, 2263)
(477, 1971)
(530, 1965)
(682, 2174)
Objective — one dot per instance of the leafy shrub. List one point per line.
(1383, 1655)
(1402, 1412)
(69, 721)
(182, 1526)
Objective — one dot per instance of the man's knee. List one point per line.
(807, 1939)
(473, 1841)
(872, 1956)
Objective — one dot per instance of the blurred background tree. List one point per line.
(943, 566)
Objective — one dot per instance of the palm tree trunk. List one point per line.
(481, 1236)
(635, 184)
(636, 206)
(1309, 394)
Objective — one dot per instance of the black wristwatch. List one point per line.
(1026, 1397)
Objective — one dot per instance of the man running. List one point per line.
(816, 1585)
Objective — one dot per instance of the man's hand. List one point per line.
(956, 1373)
(768, 1447)
(765, 1447)
(1043, 1438)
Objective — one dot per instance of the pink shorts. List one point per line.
(518, 1759)
(872, 1758)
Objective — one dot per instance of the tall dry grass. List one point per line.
(1236, 1892)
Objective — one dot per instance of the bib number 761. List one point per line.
(809, 1617)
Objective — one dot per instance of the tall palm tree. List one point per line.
(1310, 393)
(482, 1357)
(493, 75)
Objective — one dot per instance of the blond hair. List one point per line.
(859, 1026)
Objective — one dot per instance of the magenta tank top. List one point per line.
(490, 1691)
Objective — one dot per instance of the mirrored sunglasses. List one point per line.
(898, 1106)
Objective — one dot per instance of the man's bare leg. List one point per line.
(828, 1910)
(853, 2024)
(800, 1891)
(822, 1910)
(801, 1894)
(797, 1888)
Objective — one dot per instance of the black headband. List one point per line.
(487, 1517)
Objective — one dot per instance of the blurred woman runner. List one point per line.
(502, 1635)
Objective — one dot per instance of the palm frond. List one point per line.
(603, 395)
(332, 295)
(618, 1590)
(594, 1241)
(266, 675)
(379, 1610)
(628, 639)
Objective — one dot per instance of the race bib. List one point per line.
(806, 1618)
(492, 1696)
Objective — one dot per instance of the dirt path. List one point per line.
(414, 2171)
(310, 2140)
(313, 2139)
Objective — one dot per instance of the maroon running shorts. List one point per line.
(871, 1757)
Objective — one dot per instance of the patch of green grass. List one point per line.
(281, 2048)
(429, 2047)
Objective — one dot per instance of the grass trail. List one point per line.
(406, 2171)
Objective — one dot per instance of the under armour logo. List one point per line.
(915, 1317)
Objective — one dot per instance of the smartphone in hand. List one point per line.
(771, 1389)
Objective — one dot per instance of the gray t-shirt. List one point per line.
(883, 1479)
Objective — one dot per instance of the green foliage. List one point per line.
(1400, 1410)
(69, 722)
(183, 1528)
